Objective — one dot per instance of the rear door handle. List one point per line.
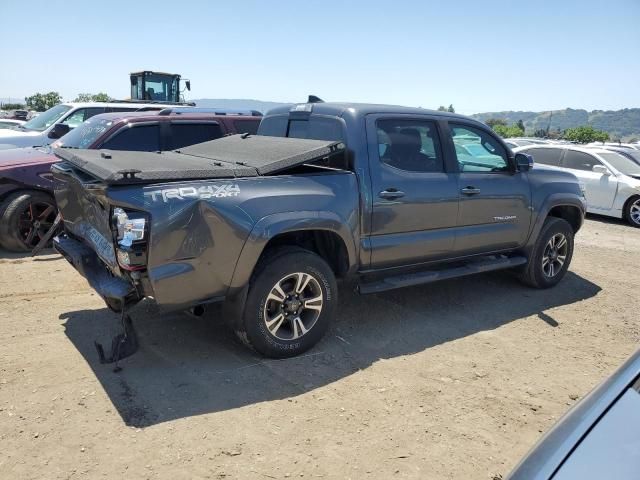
(391, 193)
(470, 190)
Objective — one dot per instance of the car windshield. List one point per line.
(633, 154)
(622, 164)
(46, 119)
(84, 135)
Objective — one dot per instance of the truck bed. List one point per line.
(229, 157)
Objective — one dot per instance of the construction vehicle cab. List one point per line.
(157, 87)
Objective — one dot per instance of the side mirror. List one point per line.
(188, 84)
(601, 169)
(59, 130)
(524, 162)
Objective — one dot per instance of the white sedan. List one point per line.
(10, 123)
(611, 180)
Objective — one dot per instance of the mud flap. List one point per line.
(123, 345)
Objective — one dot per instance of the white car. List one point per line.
(57, 121)
(611, 180)
(10, 123)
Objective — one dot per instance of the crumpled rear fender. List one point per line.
(270, 226)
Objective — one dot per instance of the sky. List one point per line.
(480, 56)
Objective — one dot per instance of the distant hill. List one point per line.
(620, 124)
(237, 104)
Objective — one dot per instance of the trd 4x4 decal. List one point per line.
(204, 192)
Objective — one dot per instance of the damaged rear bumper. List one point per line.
(113, 289)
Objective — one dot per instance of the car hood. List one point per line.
(9, 132)
(15, 157)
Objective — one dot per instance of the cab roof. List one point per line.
(340, 109)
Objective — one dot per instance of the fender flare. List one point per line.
(272, 225)
(552, 201)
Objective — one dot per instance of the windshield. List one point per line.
(84, 135)
(622, 164)
(46, 119)
(632, 154)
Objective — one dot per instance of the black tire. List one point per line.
(283, 267)
(538, 275)
(632, 211)
(14, 219)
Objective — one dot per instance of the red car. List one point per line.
(27, 206)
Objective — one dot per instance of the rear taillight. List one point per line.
(130, 228)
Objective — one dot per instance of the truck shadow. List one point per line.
(189, 366)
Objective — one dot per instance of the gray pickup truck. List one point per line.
(384, 196)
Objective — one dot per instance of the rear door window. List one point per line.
(411, 145)
(579, 161)
(185, 134)
(546, 156)
(143, 138)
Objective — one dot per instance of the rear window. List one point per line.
(145, 138)
(185, 134)
(246, 126)
(546, 156)
(314, 128)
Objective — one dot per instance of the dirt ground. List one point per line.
(450, 380)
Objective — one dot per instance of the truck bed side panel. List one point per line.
(199, 228)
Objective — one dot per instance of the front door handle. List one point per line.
(470, 190)
(391, 193)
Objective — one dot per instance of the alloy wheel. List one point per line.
(634, 212)
(293, 306)
(35, 221)
(555, 254)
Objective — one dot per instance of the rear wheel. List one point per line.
(25, 217)
(632, 212)
(551, 255)
(291, 301)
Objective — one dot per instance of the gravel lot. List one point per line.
(451, 380)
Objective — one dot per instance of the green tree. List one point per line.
(508, 131)
(12, 106)
(43, 101)
(442, 108)
(492, 122)
(451, 109)
(585, 134)
(520, 125)
(93, 97)
(540, 133)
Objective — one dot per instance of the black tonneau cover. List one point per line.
(228, 157)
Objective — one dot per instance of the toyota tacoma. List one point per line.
(383, 196)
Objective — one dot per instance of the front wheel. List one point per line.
(551, 255)
(632, 212)
(290, 304)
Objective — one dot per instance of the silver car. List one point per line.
(599, 438)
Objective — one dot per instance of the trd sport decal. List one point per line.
(205, 192)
